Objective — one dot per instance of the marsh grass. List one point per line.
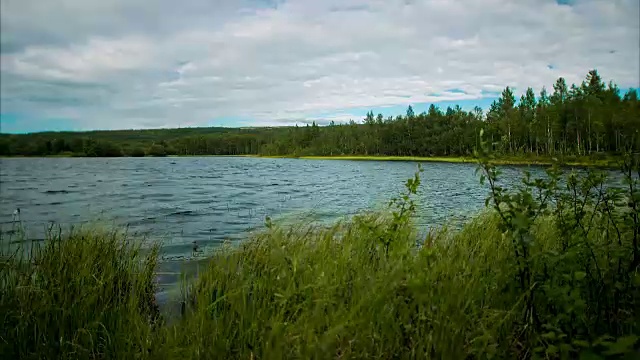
(85, 294)
(523, 160)
(300, 291)
(328, 292)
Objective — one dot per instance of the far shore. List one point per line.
(520, 161)
(509, 160)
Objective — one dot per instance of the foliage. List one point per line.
(156, 150)
(332, 292)
(581, 283)
(136, 152)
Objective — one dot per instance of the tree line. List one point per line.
(585, 119)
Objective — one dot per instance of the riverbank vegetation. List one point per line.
(570, 161)
(590, 121)
(550, 270)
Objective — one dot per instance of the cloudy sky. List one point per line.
(113, 64)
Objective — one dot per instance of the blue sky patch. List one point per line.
(12, 123)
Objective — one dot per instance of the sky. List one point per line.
(133, 64)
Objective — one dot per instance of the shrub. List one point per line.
(580, 284)
(156, 150)
(136, 152)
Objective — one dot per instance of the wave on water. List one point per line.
(247, 185)
(57, 192)
(146, 220)
(212, 176)
(244, 193)
(184, 213)
(157, 196)
(202, 201)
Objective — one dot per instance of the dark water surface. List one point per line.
(210, 199)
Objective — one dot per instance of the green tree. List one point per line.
(528, 119)
(136, 152)
(507, 114)
(156, 150)
(559, 100)
(410, 113)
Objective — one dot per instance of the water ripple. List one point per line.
(211, 199)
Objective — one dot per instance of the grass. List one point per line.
(394, 158)
(318, 292)
(502, 160)
(305, 291)
(574, 161)
(88, 294)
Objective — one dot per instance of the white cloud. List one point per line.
(97, 60)
(135, 64)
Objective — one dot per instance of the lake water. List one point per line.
(210, 199)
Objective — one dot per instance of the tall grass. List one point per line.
(87, 294)
(333, 292)
(527, 279)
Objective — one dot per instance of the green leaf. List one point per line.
(565, 348)
(580, 343)
(579, 275)
(552, 349)
(521, 221)
(590, 355)
(622, 346)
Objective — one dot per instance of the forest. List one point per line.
(588, 119)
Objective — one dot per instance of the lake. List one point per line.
(211, 199)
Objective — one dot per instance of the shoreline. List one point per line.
(582, 162)
(513, 161)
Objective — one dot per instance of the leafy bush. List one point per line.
(136, 152)
(156, 150)
(580, 283)
(103, 149)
